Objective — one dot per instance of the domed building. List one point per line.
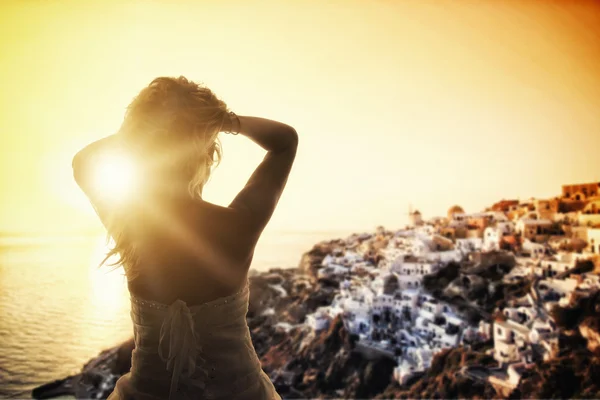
(455, 210)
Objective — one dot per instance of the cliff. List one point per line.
(443, 380)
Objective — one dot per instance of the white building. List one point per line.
(410, 281)
(444, 257)
(492, 235)
(573, 258)
(551, 268)
(415, 362)
(492, 216)
(485, 330)
(515, 371)
(318, 320)
(559, 290)
(332, 270)
(542, 331)
(356, 304)
(419, 247)
(510, 341)
(425, 230)
(594, 240)
(469, 245)
(520, 315)
(414, 267)
(383, 302)
(430, 309)
(408, 301)
(530, 228)
(535, 250)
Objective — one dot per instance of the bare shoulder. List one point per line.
(228, 222)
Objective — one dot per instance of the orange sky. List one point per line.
(396, 102)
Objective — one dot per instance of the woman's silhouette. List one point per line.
(187, 260)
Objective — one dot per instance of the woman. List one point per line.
(187, 260)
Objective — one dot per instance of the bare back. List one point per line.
(195, 252)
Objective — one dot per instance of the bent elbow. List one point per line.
(293, 138)
(78, 165)
(285, 140)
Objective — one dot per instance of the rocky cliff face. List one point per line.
(590, 330)
(443, 380)
(572, 374)
(309, 365)
(310, 262)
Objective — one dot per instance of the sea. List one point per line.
(58, 310)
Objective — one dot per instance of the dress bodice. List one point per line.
(200, 351)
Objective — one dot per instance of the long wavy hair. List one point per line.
(174, 122)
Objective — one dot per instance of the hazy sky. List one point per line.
(428, 103)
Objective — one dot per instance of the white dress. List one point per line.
(198, 352)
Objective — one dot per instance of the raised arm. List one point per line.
(261, 194)
(84, 164)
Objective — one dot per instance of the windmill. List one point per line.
(414, 216)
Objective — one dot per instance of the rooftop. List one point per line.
(513, 325)
(528, 221)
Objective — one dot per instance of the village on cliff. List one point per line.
(410, 293)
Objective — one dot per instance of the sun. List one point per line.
(114, 177)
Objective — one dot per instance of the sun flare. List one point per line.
(115, 177)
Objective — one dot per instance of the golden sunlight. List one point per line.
(115, 177)
(108, 288)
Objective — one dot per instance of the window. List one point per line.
(499, 331)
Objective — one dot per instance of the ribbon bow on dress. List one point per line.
(183, 349)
